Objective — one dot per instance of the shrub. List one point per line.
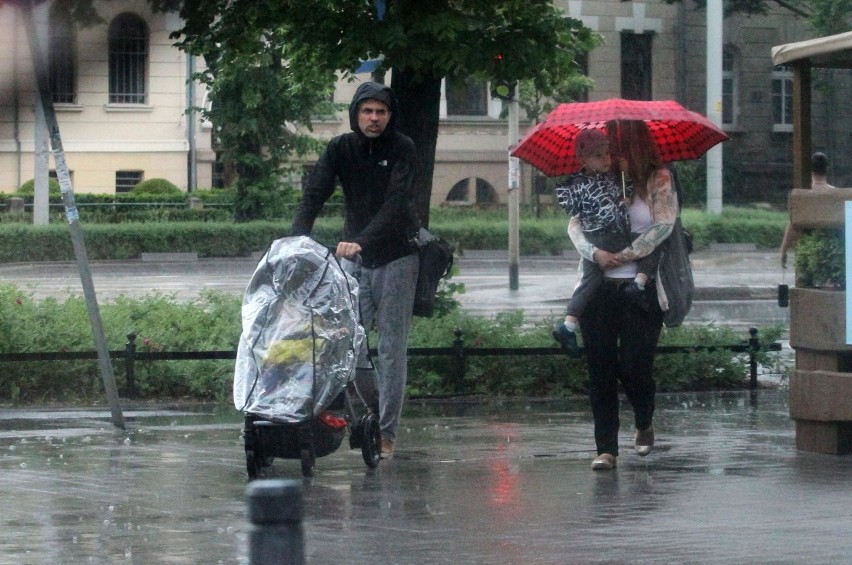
(27, 189)
(157, 186)
(212, 323)
(821, 258)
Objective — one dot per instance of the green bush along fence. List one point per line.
(456, 358)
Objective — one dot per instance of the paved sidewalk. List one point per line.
(504, 482)
(735, 286)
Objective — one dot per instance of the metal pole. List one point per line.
(514, 196)
(41, 150)
(714, 102)
(275, 511)
(71, 214)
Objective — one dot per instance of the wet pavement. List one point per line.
(472, 482)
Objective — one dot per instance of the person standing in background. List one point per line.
(819, 182)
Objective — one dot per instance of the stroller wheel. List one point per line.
(371, 440)
(306, 454)
(356, 434)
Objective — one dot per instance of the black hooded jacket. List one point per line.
(377, 176)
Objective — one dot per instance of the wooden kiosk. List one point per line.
(821, 383)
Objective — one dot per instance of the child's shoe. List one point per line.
(567, 340)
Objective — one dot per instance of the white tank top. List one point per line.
(640, 222)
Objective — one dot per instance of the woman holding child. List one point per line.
(620, 333)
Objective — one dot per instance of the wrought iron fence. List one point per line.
(458, 351)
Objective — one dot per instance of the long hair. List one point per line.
(632, 140)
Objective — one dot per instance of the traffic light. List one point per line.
(501, 87)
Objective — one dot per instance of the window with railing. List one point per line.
(62, 57)
(126, 180)
(128, 60)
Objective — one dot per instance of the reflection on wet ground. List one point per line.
(496, 482)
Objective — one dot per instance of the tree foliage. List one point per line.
(423, 41)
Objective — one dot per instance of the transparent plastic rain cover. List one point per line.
(301, 333)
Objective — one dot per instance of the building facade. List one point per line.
(121, 95)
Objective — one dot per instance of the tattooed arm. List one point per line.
(584, 246)
(664, 209)
(602, 257)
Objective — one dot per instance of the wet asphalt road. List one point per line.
(502, 482)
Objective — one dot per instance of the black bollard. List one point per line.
(783, 296)
(275, 511)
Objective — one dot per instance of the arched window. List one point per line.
(483, 192)
(128, 60)
(62, 55)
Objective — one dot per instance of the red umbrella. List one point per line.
(680, 134)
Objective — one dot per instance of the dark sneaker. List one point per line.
(567, 340)
(644, 442)
(636, 295)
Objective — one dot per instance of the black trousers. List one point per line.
(620, 339)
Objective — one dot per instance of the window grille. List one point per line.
(128, 60)
(126, 180)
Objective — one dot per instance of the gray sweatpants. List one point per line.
(386, 297)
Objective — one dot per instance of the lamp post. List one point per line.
(514, 189)
(714, 102)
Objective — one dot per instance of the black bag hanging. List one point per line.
(675, 269)
(436, 260)
(675, 273)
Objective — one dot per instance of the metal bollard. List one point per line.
(458, 356)
(129, 366)
(753, 348)
(275, 511)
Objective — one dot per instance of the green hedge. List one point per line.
(212, 322)
(20, 242)
(25, 243)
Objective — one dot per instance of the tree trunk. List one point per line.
(419, 109)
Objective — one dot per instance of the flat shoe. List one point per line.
(387, 449)
(603, 462)
(644, 441)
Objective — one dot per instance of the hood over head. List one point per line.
(375, 91)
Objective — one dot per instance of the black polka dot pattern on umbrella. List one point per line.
(680, 134)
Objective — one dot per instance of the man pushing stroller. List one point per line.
(376, 166)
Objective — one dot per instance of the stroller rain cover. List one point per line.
(300, 333)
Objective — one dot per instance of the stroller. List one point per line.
(296, 359)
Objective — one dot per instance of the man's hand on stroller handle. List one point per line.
(347, 250)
